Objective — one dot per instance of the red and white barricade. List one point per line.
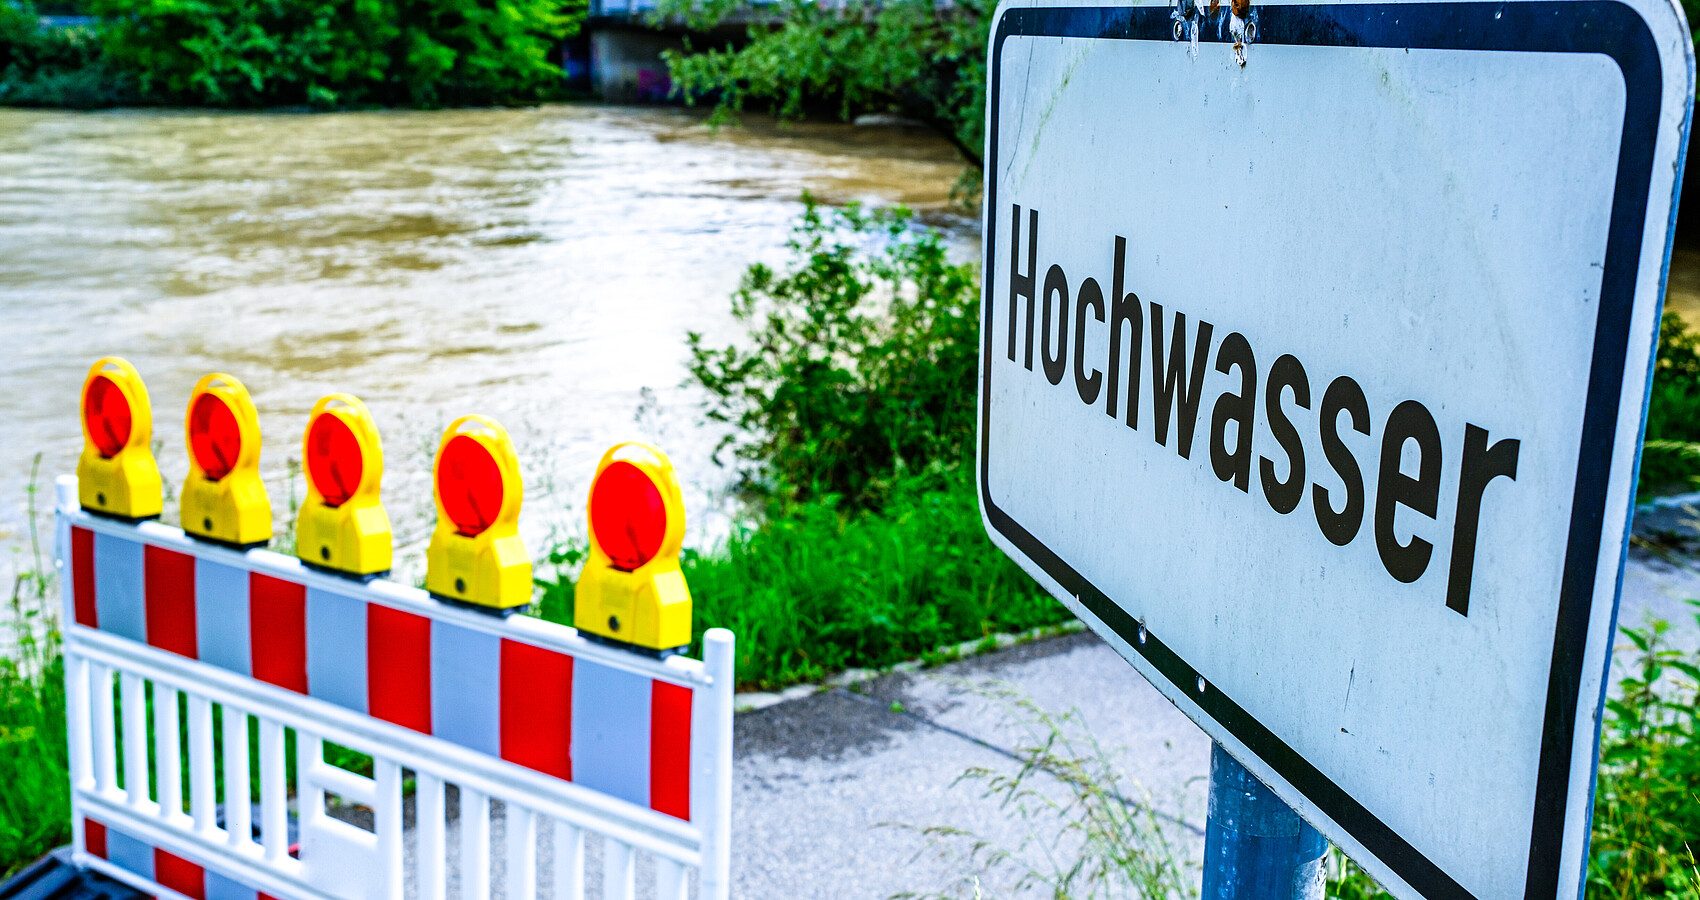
(569, 736)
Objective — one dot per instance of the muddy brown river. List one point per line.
(538, 265)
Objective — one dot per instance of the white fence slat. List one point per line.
(474, 844)
(238, 816)
(671, 881)
(569, 861)
(77, 732)
(103, 729)
(274, 792)
(619, 870)
(167, 754)
(386, 820)
(522, 852)
(135, 740)
(429, 833)
(202, 793)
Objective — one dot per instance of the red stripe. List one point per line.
(82, 580)
(179, 874)
(94, 838)
(169, 579)
(398, 667)
(277, 614)
(537, 708)
(670, 749)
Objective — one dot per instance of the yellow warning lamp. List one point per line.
(632, 590)
(117, 475)
(476, 555)
(224, 500)
(343, 527)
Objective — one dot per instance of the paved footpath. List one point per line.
(831, 791)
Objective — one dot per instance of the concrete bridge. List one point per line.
(617, 52)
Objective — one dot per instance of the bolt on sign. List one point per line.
(1316, 346)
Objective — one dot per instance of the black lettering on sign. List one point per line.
(1234, 464)
(1343, 396)
(1087, 386)
(1409, 421)
(1482, 464)
(1284, 496)
(1124, 308)
(1056, 285)
(1177, 384)
(1171, 391)
(1022, 285)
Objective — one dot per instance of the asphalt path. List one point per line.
(842, 794)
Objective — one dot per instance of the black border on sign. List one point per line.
(1603, 27)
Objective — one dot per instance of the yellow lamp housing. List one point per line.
(117, 475)
(476, 556)
(343, 528)
(632, 591)
(224, 500)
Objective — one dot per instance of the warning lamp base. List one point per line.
(639, 649)
(498, 612)
(360, 577)
(232, 545)
(128, 520)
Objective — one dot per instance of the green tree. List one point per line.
(338, 52)
(922, 60)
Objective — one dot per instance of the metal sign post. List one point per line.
(1255, 846)
(1315, 347)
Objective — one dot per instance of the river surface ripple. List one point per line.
(538, 265)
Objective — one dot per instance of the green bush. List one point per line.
(337, 52)
(817, 590)
(859, 365)
(61, 67)
(1647, 802)
(1670, 460)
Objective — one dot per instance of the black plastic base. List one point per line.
(131, 520)
(240, 548)
(367, 578)
(481, 608)
(639, 649)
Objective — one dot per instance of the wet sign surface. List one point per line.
(1315, 351)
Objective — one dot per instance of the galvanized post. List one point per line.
(1255, 846)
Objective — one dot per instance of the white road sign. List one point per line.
(1315, 385)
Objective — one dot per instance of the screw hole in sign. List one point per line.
(469, 484)
(333, 459)
(627, 515)
(106, 412)
(214, 436)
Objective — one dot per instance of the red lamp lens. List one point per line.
(107, 414)
(214, 436)
(627, 515)
(470, 485)
(333, 459)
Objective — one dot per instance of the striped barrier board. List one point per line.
(529, 712)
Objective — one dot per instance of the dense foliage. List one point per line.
(923, 61)
(1671, 458)
(1647, 804)
(55, 66)
(324, 53)
(859, 365)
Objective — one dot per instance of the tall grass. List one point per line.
(822, 589)
(35, 789)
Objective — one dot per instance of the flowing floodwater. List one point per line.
(542, 266)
